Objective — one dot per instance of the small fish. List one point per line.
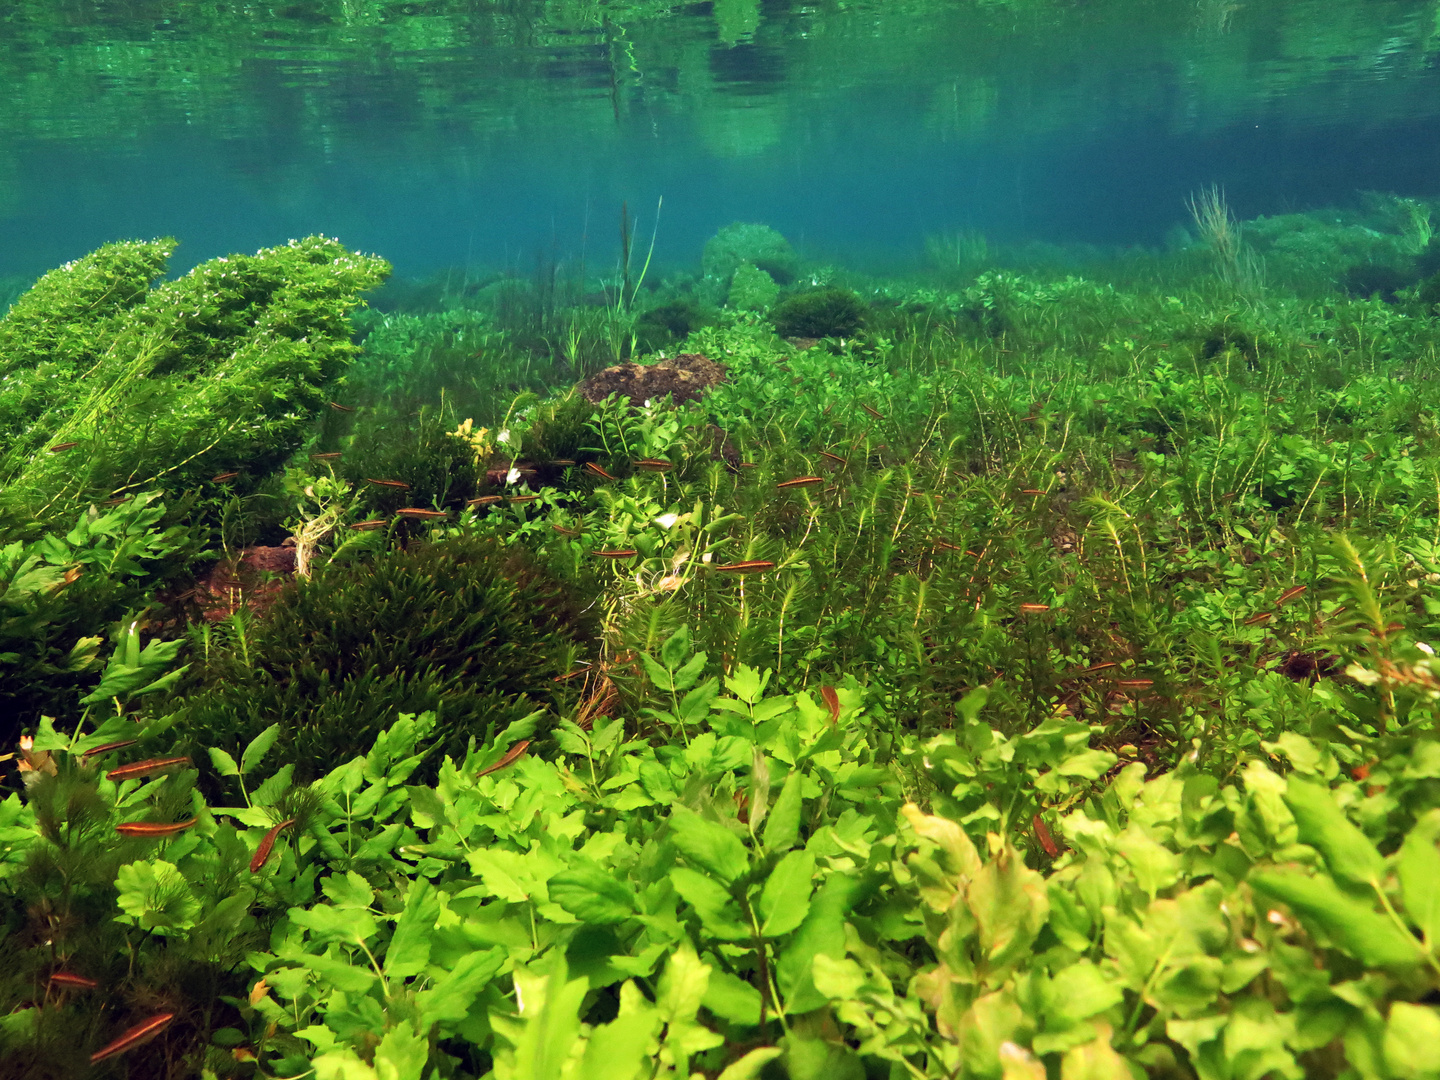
(1256, 620)
(596, 470)
(512, 755)
(1369, 457)
(1228, 496)
(563, 531)
(60, 448)
(73, 574)
(133, 1037)
(749, 464)
(1047, 841)
(832, 702)
(340, 408)
(753, 566)
(871, 411)
(105, 748)
(1277, 401)
(398, 485)
(622, 553)
(420, 512)
(373, 523)
(1093, 668)
(73, 982)
(836, 458)
(220, 478)
(915, 494)
(800, 482)
(1031, 491)
(521, 500)
(1290, 594)
(651, 464)
(1033, 609)
(153, 829)
(148, 767)
(975, 554)
(1134, 684)
(267, 844)
(563, 461)
(1027, 419)
(331, 456)
(483, 500)
(945, 545)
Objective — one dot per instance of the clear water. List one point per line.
(455, 133)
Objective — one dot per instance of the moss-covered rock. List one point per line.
(752, 289)
(823, 313)
(745, 242)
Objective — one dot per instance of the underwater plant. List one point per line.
(823, 313)
(748, 242)
(751, 289)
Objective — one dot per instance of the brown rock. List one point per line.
(684, 378)
(252, 580)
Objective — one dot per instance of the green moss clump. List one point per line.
(745, 242)
(752, 289)
(823, 313)
(666, 323)
(464, 626)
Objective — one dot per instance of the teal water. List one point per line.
(467, 134)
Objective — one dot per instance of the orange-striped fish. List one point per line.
(1290, 594)
(1134, 684)
(749, 465)
(105, 748)
(512, 755)
(833, 458)
(373, 523)
(398, 485)
(133, 1037)
(563, 531)
(1033, 609)
(148, 767)
(1027, 419)
(800, 482)
(340, 408)
(330, 456)
(651, 464)
(151, 830)
(622, 553)
(72, 981)
(1031, 491)
(484, 500)
(564, 462)
(753, 566)
(60, 448)
(1256, 620)
(1094, 668)
(871, 411)
(521, 500)
(221, 478)
(596, 470)
(267, 844)
(1047, 841)
(945, 545)
(420, 512)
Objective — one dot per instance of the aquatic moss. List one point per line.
(823, 313)
(747, 242)
(752, 289)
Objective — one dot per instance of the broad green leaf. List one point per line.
(785, 900)
(682, 985)
(409, 949)
(402, 1054)
(1010, 905)
(223, 762)
(676, 649)
(551, 1030)
(156, 896)
(1078, 992)
(337, 972)
(1412, 1042)
(782, 826)
(708, 845)
(452, 995)
(1419, 870)
(686, 676)
(593, 895)
(327, 923)
(1355, 927)
(258, 748)
(749, 1066)
(617, 1050)
(732, 999)
(1088, 764)
(838, 980)
(1096, 1060)
(658, 675)
(823, 931)
(351, 891)
(342, 1065)
(1323, 825)
(712, 902)
(1155, 867)
(747, 683)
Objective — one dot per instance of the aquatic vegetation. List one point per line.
(751, 289)
(748, 242)
(822, 313)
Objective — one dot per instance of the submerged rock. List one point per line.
(684, 378)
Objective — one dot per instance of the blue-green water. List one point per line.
(469, 134)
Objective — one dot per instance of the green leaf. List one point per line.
(1355, 927)
(676, 649)
(593, 895)
(686, 676)
(156, 896)
(716, 908)
(708, 845)
(785, 901)
(1412, 1036)
(327, 923)
(1077, 993)
(782, 827)
(551, 1030)
(618, 1050)
(402, 1054)
(749, 1066)
(1418, 866)
(747, 684)
(409, 949)
(1323, 825)
(732, 998)
(223, 762)
(823, 931)
(449, 1000)
(1088, 764)
(258, 748)
(350, 891)
(658, 675)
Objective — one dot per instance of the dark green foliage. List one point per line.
(1376, 279)
(819, 314)
(460, 626)
(669, 322)
(1228, 338)
(218, 371)
(416, 449)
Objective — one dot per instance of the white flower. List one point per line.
(504, 436)
(513, 475)
(667, 521)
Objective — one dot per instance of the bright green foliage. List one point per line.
(823, 313)
(751, 289)
(745, 242)
(218, 371)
